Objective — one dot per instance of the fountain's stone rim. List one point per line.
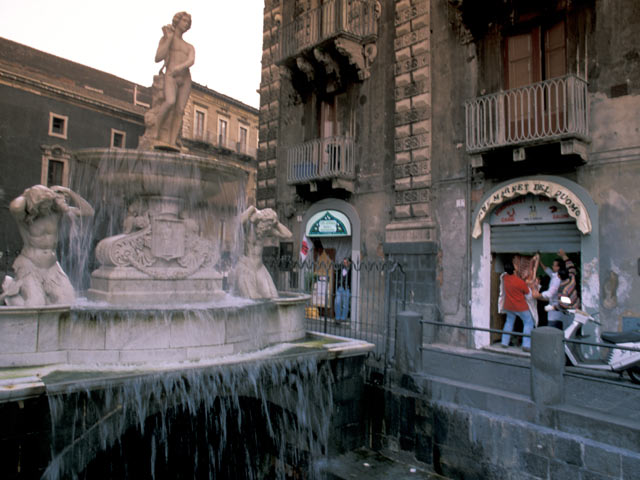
(205, 162)
(120, 335)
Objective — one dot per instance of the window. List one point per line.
(222, 132)
(530, 57)
(55, 166)
(242, 140)
(535, 55)
(55, 172)
(118, 138)
(58, 125)
(200, 124)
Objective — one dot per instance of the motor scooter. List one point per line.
(617, 360)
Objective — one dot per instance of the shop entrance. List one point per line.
(528, 215)
(330, 232)
(520, 228)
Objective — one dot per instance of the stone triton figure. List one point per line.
(172, 86)
(251, 279)
(39, 278)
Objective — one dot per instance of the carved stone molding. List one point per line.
(305, 67)
(167, 248)
(331, 68)
(355, 53)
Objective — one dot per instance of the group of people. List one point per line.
(517, 295)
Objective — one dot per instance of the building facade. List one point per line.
(543, 150)
(334, 150)
(452, 135)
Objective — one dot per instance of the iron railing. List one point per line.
(322, 158)
(376, 292)
(223, 142)
(544, 111)
(354, 18)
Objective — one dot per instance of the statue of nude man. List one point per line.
(178, 56)
(39, 278)
(251, 279)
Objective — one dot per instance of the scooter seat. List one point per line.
(621, 337)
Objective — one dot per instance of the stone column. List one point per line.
(409, 342)
(547, 366)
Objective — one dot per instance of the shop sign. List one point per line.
(559, 193)
(529, 209)
(328, 223)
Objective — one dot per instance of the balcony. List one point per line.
(553, 110)
(325, 47)
(330, 158)
(356, 19)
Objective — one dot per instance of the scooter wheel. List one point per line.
(634, 374)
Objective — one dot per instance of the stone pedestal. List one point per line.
(547, 366)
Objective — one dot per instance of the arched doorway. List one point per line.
(528, 215)
(334, 226)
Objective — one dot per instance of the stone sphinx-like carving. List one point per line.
(251, 279)
(39, 278)
(171, 87)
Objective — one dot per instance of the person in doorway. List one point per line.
(550, 295)
(515, 305)
(343, 293)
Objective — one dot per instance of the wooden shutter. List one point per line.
(555, 52)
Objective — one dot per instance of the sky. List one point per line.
(121, 37)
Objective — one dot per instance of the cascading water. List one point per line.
(151, 262)
(164, 221)
(244, 421)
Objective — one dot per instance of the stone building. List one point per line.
(216, 124)
(345, 130)
(452, 135)
(536, 150)
(50, 107)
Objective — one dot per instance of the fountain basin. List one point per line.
(163, 216)
(101, 334)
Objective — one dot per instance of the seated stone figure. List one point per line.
(39, 278)
(251, 279)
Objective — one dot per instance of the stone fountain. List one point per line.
(148, 335)
(157, 292)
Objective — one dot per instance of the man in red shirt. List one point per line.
(515, 305)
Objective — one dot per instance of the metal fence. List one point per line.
(376, 293)
(556, 108)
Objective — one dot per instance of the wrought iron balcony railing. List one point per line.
(546, 111)
(354, 18)
(321, 159)
(223, 142)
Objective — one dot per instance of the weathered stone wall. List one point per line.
(603, 47)
(269, 117)
(454, 75)
(416, 416)
(613, 167)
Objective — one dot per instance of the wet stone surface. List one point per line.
(365, 463)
